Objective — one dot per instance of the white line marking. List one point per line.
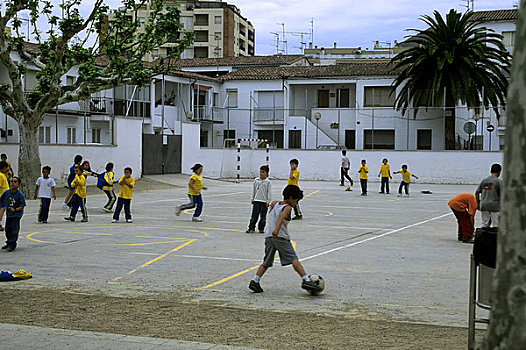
(375, 237)
(137, 253)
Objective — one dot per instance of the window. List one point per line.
(342, 98)
(275, 137)
(323, 98)
(142, 20)
(232, 98)
(201, 20)
(508, 38)
(201, 52)
(72, 135)
(204, 138)
(350, 139)
(201, 36)
(217, 36)
(379, 139)
(70, 80)
(215, 99)
(231, 136)
(95, 135)
(294, 138)
(218, 20)
(423, 139)
(378, 96)
(44, 134)
(217, 52)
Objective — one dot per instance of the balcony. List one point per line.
(269, 115)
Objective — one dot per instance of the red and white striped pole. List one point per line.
(238, 160)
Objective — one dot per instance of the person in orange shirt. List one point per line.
(464, 206)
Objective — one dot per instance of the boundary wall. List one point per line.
(126, 152)
(440, 167)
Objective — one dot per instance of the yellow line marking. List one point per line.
(149, 243)
(30, 237)
(156, 259)
(240, 273)
(111, 282)
(310, 194)
(329, 214)
(190, 227)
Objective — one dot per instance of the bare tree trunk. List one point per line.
(28, 156)
(507, 328)
(450, 123)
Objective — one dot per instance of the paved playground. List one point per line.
(383, 257)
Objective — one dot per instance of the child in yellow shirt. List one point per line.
(385, 172)
(195, 185)
(79, 198)
(127, 183)
(406, 180)
(294, 177)
(363, 171)
(4, 186)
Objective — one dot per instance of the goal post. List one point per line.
(238, 154)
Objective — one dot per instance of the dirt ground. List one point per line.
(173, 315)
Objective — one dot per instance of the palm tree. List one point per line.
(456, 61)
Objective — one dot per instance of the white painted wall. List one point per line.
(445, 167)
(126, 153)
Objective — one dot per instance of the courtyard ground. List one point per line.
(396, 276)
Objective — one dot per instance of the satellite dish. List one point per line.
(470, 128)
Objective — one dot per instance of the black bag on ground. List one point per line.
(485, 247)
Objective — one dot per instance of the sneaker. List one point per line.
(261, 231)
(129, 221)
(69, 218)
(5, 246)
(363, 194)
(309, 285)
(107, 210)
(471, 240)
(84, 220)
(65, 206)
(177, 211)
(406, 195)
(196, 219)
(255, 287)
(11, 248)
(381, 192)
(342, 184)
(44, 221)
(399, 195)
(250, 231)
(298, 217)
(114, 221)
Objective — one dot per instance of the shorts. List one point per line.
(286, 252)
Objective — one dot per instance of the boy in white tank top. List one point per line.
(277, 238)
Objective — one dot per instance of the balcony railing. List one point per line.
(263, 114)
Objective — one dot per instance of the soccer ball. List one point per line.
(348, 189)
(317, 279)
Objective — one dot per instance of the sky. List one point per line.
(349, 23)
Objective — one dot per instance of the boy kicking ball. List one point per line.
(277, 238)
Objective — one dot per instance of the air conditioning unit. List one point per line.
(190, 7)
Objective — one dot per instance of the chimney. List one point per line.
(310, 45)
(335, 44)
(376, 44)
(396, 43)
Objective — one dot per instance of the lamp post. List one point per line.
(317, 116)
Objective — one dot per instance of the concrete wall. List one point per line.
(126, 152)
(447, 167)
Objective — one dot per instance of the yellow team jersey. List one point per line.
(4, 185)
(406, 177)
(125, 191)
(363, 172)
(80, 185)
(384, 168)
(108, 176)
(296, 177)
(198, 185)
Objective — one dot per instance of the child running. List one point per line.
(4, 186)
(406, 180)
(277, 238)
(294, 177)
(71, 177)
(363, 170)
(385, 172)
(105, 183)
(195, 185)
(15, 202)
(79, 197)
(45, 189)
(127, 183)
(260, 199)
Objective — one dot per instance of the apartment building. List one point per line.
(220, 30)
(382, 51)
